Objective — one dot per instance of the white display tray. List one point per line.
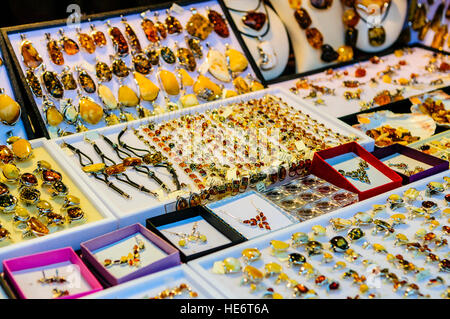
(72, 237)
(229, 284)
(153, 284)
(143, 206)
(338, 106)
(87, 61)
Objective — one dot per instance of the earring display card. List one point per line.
(52, 274)
(174, 88)
(351, 167)
(409, 163)
(309, 197)
(376, 263)
(128, 253)
(195, 232)
(155, 286)
(368, 84)
(262, 216)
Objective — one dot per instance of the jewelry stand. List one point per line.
(393, 25)
(328, 21)
(277, 35)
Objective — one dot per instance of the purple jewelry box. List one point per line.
(438, 165)
(87, 248)
(45, 259)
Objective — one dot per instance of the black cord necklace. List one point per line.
(247, 11)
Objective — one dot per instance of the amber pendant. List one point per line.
(321, 4)
(198, 26)
(423, 32)
(70, 112)
(69, 46)
(118, 40)
(162, 30)
(31, 57)
(420, 17)
(103, 72)
(195, 46)
(68, 80)
(377, 36)
(302, 17)
(167, 55)
(54, 50)
(436, 21)
(412, 10)
(153, 55)
(33, 82)
(328, 54)
(173, 24)
(119, 68)
(314, 37)
(98, 37)
(351, 37)
(52, 114)
(186, 59)
(52, 84)
(142, 63)
(86, 42)
(132, 37)
(439, 37)
(254, 20)
(149, 28)
(85, 80)
(219, 23)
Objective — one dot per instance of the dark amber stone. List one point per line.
(153, 56)
(351, 36)
(33, 83)
(254, 20)
(173, 25)
(339, 244)
(29, 195)
(7, 201)
(314, 37)
(59, 189)
(120, 44)
(54, 52)
(103, 71)
(162, 30)
(328, 53)
(333, 286)
(6, 155)
(321, 4)
(198, 26)
(3, 232)
(150, 30)
(86, 82)
(50, 176)
(52, 84)
(296, 259)
(75, 213)
(302, 17)
(219, 23)
(86, 42)
(186, 59)
(28, 179)
(115, 169)
(31, 57)
(132, 161)
(141, 63)
(360, 72)
(420, 17)
(132, 38)
(437, 17)
(355, 234)
(4, 190)
(68, 81)
(119, 68)
(194, 45)
(168, 55)
(282, 173)
(181, 204)
(377, 36)
(195, 200)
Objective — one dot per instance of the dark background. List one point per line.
(16, 12)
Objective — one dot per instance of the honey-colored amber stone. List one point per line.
(350, 18)
(107, 97)
(132, 161)
(68, 80)
(272, 269)
(11, 172)
(153, 56)
(90, 111)
(314, 37)
(237, 61)
(241, 85)
(251, 254)
(439, 37)
(279, 245)
(52, 84)
(345, 53)
(53, 116)
(31, 57)
(253, 274)
(186, 59)
(148, 91)
(383, 98)
(86, 42)
(99, 38)
(169, 82)
(119, 42)
(141, 63)
(206, 89)
(127, 97)
(360, 72)
(186, 79)
(103, 71)
(230, 93)
(198, 26)
(37, 226)
(69, 46)
(9, 110)
(115, 169)
(50, 176)
(119, 68)
(150, 30)
(94, 168)
(132, 38)
(33, 82)
(22, 149)
(173, 25)
(6, 155)
(55, 52)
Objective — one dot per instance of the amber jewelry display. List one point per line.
(56, 279)
(132, 259)
(54, 51)
(30, 56)
(174, 292)
(193, 237)
(359, 174)
(259, 220)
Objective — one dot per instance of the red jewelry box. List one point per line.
(324, 170)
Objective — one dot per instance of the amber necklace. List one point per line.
(376, 32)
(253, 19)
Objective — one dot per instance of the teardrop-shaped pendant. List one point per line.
(86, 42)
(439, 37)
(412, 10)
(149, 28)
(30, 56)
(52, 84)
(186, 59)
(33, 82)
(103, 71)
(70, 112)
(119, 68)
(219, 23)
(107, 97)
(132, 37)
(254, 20)
(377, 36)
(195, 46)
(162, 30)
(420, 17)
(69, 46)
(198, 26)
(52, 115)
(54, 51)
(98, 37)
(436, 21)
(423, 32)
(153, 55)
(141, 63)
(90, 111)
(85, 80)
(167, 55)
(118, 40)
(68, 80)
(10, 110)
(173, 24)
